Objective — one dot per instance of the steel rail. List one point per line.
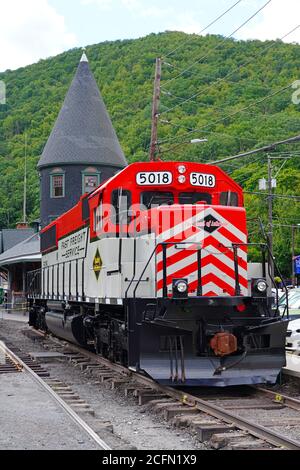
(256, 430)
(252, 428)
(290, 402)
(57, 398)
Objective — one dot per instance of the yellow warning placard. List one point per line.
(97, 264)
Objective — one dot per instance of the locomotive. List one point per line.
(151, 271)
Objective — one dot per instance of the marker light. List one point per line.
(182, 169)
(182, 179)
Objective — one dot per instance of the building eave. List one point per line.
(83, 163)
(21, 259)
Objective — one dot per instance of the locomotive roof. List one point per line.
(132, 169)
(83, 132)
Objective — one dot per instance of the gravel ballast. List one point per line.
(139, 429)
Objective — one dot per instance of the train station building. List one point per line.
(82, 152)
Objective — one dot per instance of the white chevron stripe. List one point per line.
(181, 227)
(186, 224)
(211, 250)
(199, 238)
(185, 262)
(225, 242)
(229, 226)
(211, 269)
(191, 257)
(172, 250)
(176, 267)
(212, 287)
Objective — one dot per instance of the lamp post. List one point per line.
(269, 185)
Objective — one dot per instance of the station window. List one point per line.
(155, 198)
(229, 198)
(90, 182)
(121, 202)
(57, 186)
(193, 198)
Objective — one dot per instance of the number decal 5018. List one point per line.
(203, 180)
(154, 178)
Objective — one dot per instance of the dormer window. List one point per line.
(57, 184)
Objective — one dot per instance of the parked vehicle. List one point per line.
(293, 336)
(293, 333)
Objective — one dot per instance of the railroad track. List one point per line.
(214, 419)
(216, 416)
(57, 390)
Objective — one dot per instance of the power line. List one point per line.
(273, 44)
(222, 42)
(279, 196)
(219, 80)
(255, 103)
(285, 225)
(206, 27)
(262, 149)
(178, 126)
(204, 105)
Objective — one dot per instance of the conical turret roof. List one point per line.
(83, 133)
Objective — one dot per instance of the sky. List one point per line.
(31, 30)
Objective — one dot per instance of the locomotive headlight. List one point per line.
(260, 286)
(182, 169)
(182, 179)
(180, 287)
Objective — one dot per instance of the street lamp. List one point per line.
(198, 141)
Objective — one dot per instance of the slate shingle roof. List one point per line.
(13, 237)
(27, 250)
(83, 132)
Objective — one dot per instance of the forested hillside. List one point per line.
(221, 85)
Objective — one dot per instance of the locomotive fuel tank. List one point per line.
(68, 326)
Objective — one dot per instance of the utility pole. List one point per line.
(270, 212)
(155, 111)
(25, 184)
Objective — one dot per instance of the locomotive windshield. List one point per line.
(156, 198)
(193, 198)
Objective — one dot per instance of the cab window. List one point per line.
(193, 198)
(121, 202)
(157, 198)
(229, 198)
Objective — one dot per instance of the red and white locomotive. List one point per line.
(151, 271)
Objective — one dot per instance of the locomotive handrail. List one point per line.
(275, 266)
(266, 246)
(164, 245)
(234, 247)
(34, 275)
